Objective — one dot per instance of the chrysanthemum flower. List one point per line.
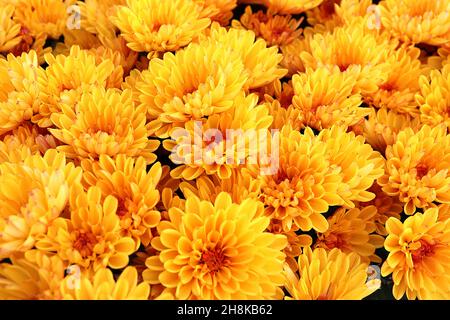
(33, 194)
(291, 52)
(398, 91)
(417, 168)
(103, 286)
(127, 179)
(305, 184)
(10, 30)
(218, 251)
(275, 29)
(37, 17)
(238, 137)
(104, 122)
(357, 163)
(434, 98)
(291, 6)
(382, 126)
(419, 250)
(387, 207)
(19, 91)
(34, 276)
(332, 275)
(352, 231)
(67, 77)
(174, 92)
(352, 49)
(155, 25)
(326, 97)
(419, 21)
(260, 62)
(285, 116)
(91, 238)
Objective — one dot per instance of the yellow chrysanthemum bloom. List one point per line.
(434, 98)
(33, 194)
(159, 25)
(283, 116)
(223, 143)
(352, 231)
(352, 49)
(19, 91)
(127, 179)
(37, 17)
(387, 207)
(91, 238)
(419, 21)
(174, 92)
(275, 29)
(220, 11)
(382, 126)
(260, 62)
(332, 275)
(103, 286)
(67, 77)
(357, 163)
(34, 276)
(326, 97)
(218, 250)
(305, 184)
(418, 256)
(291, 6)
(398, 91)
(417, 168)
(9, 30)
(104, 122)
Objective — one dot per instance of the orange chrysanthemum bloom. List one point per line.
(419, 21)
(291, 52)
(67, 77)
(91, 237)
(418, 256)
(218, 250)
(398, 91)
(434, 98)
(291, 6)
(417, 168)
(174, 93)
(223, 143)
(19, 91)
(332, 275)
(387, 207)
(127, 179)
(9, 30)
(353, 49)
(37, 17)
(326, 97)
(155, 25)
(33, 194)
(275, 29)
(357, 163)
(260, 62)
(305, 184)
(34, 276)
(352, 231)
(103, 286)
(104, 122)
(382, 126)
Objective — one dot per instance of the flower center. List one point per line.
(84, 243)
(426, 249)
(422, 170)
(214, 259)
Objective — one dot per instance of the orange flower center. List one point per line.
(25, 44)
(422, 170)
(426, 249)
(334, 241)
(84, 243)
(214, 259)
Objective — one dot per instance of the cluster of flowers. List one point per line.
(94, 206)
